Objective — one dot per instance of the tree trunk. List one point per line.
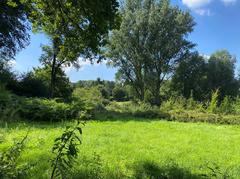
(53, 76)
(142, 92)
(53, 69)
(156, 93)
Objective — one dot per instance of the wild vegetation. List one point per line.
(170, 113)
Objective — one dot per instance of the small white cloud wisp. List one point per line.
(195, 4)
(229, 2)
(198, 6)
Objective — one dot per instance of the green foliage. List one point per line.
(220, 74)
(136, 109)
(7, 77)
(174, 103)
(76, 29)
(201, 76)
(236, 105)
(91, 96)
(32, 86)
(9, 161)
(214, 102)
(9, 105)
(90, 167)
(190, 78)
(226, 106)
(130, 146)
(155, 45)
(35, 109)
(63, 87)
(14, 28)
(65, 150)
(119, 93)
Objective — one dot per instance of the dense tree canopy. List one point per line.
(76, 28)
(201, 76)
(13, 28)
(190, 77)
(149, 43)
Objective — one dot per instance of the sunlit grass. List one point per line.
(133, 148)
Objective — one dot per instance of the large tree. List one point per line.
(201, 76)
(77, 28)
(149, 43)
(190, 77)
(13, 28)
(220, 73)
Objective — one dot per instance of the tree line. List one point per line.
(146, 40)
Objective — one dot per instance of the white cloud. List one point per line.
(83, 64)
(203, 12)
(198, 6)
(194, 4)
(229, 2)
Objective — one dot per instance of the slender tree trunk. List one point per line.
(53, 77)
(53, 69)
(157, 100)
(142, 92)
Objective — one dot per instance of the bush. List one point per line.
(119, 94)
(236, 106)
(49, 110)
(136, 109)
(226, 106)
(9, 105)
(9, 161)
(92, 98)
(174, 103)
(214, 102)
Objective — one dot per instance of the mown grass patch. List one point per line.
(135, 149)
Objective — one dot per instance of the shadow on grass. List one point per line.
(144, 116)
(151, 170)
(142, 170)
(25, 124)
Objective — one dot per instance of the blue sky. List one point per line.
(217, 27)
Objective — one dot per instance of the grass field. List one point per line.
(135, 149)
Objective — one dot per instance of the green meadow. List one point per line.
(133, 148)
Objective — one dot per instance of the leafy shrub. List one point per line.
(194, 105)
(9, 105)
(119, 93)
(214, 102)
(138, 109)
(174, 103)
(236, 105)
(30, 86)
(195, 116)
(8, 161)
(48, 110)
(226, 106)
(65, 149)
(90, 96)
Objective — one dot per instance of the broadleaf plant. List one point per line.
(66, 150)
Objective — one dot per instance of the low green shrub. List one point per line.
(236, 105)
(9, 105)
(174, 103)
(213, 106)
(9, 161)
(226, 106)
(65, 150)
(36, 109)
(195, 116)
(136, 109)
